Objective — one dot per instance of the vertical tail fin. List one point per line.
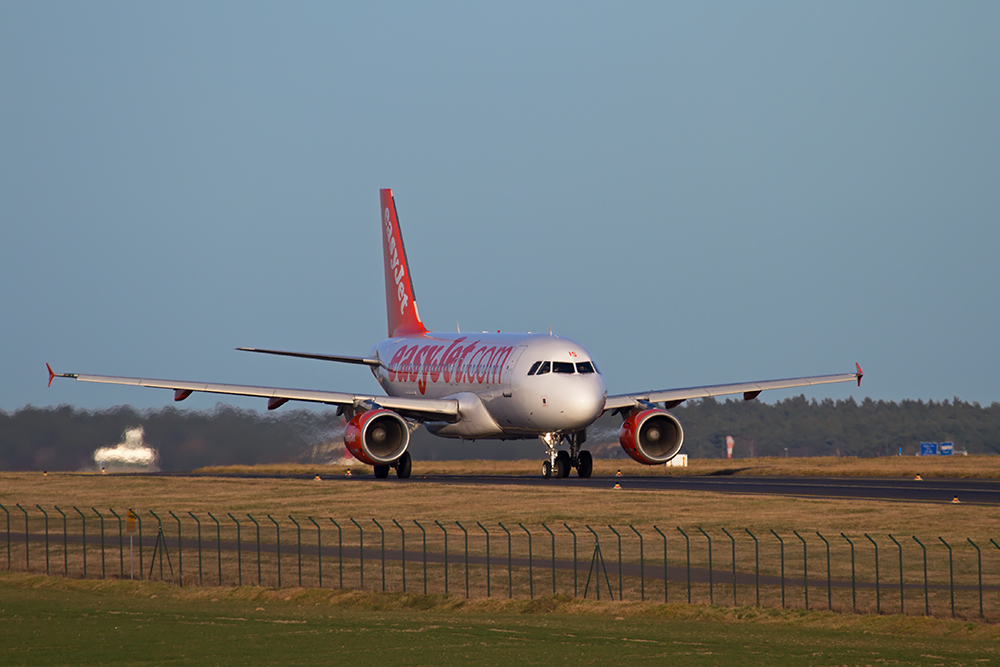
(401, 306)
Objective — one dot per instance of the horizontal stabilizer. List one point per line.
(322, 357)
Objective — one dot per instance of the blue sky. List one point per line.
(697, 192)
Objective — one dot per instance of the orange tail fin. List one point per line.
(401, 306)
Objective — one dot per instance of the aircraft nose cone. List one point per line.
(587, 402)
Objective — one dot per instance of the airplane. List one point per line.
(475, 386)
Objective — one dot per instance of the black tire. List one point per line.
(585, 465)
(546, 469)
(403, 465)
(562, 468)
(381, 472)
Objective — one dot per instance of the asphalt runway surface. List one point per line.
(939, 489)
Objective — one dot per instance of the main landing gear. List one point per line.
(560, 462)
(402, 466)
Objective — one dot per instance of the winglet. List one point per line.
(859, 372)
(53, 374)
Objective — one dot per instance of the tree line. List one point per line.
(65, 438)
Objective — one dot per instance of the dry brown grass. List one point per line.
(598, 506)
(983, 467)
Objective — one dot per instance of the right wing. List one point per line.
(436, 409)
(750, 390)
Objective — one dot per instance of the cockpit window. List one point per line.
(584, 367)
(563, 367)
(544, 368)
(534, 367)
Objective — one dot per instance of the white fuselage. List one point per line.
(488, 374)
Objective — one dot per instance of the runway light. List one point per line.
(317, 478)
(918, 478)
(619, 486)
(955, 499)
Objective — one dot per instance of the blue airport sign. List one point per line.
(946, 448)
(928, 449)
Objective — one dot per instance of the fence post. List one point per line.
(553, 536)
(403, 534)
(878, 591)
(27, 565)
(138, 521)
(218, 543)
(383, 552)
(510, 576)
(854, 597)
(84, 518)
(47, 538)
(180, 551)
(951, 576)
(979, 560)
(531, 578)
(805, 569)
(7, 512)
(103, 570)
(782, 567)
(319, 550)
(688, 540)
(466, 558)
(159, 532)
(487, 558)
(65, 547)
(239, 552)
(361, 538)
(425, 554)
(711, 584)
(829, 588)
(197, 521)
(927, 604)
(258, 547)
(642, 565)
(445, 531)
(756, 558)
(664, 563)
(995, 544)
(620, 598)
(733, 540)
(597, 567)
(277, 538)
(575, 589)
(298, 531)
(900, 546)
(121, 545)
(340, 551)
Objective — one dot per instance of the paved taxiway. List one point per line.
(940, 489)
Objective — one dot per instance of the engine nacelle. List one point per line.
(377, 437)
(651, 437)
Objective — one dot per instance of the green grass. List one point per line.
(56, 621)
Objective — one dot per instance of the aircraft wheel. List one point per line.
(403, 465)
(381, 472)
(546, 469)
(562, 468)
(585, 466)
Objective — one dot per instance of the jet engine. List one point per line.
(652, 436)
(377, 437)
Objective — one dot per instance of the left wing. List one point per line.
(438, 409)
(750, 390)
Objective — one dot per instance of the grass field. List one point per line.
(889, 466)
(536, 508)
(55, 621)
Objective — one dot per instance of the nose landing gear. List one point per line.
(560, 462)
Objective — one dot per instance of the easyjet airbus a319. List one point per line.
(471, 386)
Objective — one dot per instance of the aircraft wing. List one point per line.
(750, 390)
(438, 409)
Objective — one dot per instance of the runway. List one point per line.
(936, 490)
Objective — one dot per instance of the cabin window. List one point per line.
(534, 367)
(563, 367)
(584, 367)
(545, 368)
